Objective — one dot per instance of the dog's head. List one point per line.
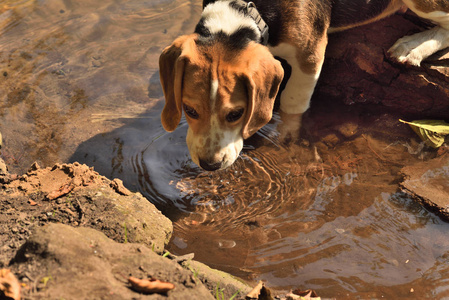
(227, 94)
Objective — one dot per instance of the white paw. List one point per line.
(406, 51)
(413, 49)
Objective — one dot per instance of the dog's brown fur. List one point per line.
(215, 72)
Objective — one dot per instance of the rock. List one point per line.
(428, 182)
(127, 218)
(213, 279)
(357, 70)
(75, 194)
(330, 140)
(84, 262)
(348, 129)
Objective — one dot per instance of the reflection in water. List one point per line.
(324, 213)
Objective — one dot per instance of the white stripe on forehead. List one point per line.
(220, 16)
(213, 92)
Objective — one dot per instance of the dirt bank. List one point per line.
(68, 233)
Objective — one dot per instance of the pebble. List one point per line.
(330, 140)
(226, 244)
(348, 129)
(394, 262)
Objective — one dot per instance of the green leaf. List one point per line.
(432, 132)
(45, 280)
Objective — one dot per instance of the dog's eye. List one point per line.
(191, 112)
(234, 115)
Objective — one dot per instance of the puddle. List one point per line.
(79, 82)
(325, 213)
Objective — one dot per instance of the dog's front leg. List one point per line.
(295, 98)
(413, 49)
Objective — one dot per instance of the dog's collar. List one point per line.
(249, 8)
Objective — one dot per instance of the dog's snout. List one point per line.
(210, 166)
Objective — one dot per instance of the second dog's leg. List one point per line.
(415, 48)
(295, 98)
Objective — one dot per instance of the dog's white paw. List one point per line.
(406, 51)
(413, 49)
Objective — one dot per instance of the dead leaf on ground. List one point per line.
(260, 292)
(302, 295)
(63, 190)
(150, 286)
(9, 285)
(432, 132)
(118, 186)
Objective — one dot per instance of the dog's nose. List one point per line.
(210, 166)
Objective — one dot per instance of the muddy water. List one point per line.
(73, 69)
(79, 82)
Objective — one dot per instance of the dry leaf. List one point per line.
(150, 286)
(303, 295)
(62, 191)
(9, 285)
(118, 186)
(260, 292)
(432, 132)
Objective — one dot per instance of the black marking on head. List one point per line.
(242, 37)
(238, 40)
(201, 29)
(271, 12)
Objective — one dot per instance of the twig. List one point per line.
(380, 157)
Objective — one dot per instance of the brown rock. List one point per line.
(84, 262)
(358, 70)
(80, 196)
(428, 183)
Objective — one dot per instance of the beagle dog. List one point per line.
(225, 77)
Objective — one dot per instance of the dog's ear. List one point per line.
(171, 70)
(263, 76)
